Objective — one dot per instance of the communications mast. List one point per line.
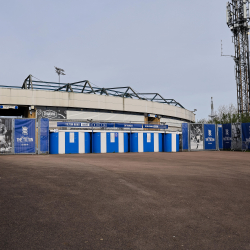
(237, 21)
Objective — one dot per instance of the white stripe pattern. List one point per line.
(121, 142)
(156, 142)
(81, 141)
(61, 142)
(140, 142)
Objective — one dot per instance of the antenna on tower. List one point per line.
(237, 16)
(222, 51)
(212, 110)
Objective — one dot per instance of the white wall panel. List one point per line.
(121, 142)
(81, 141)
(156, 142)
(61, 142)
(173, 142)
(140, 142)
(103, 143)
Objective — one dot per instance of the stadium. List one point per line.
(82, 101)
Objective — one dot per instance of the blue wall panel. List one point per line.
(87, 142)
(96, 140)
(71, 147)
(134, 142)
(160, 142)
(185, 136)
(168, 143)
(126, 142)
(220, 137)
(53, 143)
(177, 142)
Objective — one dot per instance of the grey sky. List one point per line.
(170, 47)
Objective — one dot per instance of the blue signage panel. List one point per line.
(128, 125)
(155, 126)
(227, 135)
(184, 136)
(220, 136)
(110, 125)
(245, 135)
(25, 136)
(44, 135)
(84, 124)
(8, 107)
(210, 136)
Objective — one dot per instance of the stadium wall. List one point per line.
(139, 108)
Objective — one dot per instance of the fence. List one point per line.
(196, 137)
(24, 136)
(236, 136)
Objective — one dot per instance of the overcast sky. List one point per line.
(169, 47)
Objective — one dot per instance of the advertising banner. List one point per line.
(44, 136)
(245, 136)
(184, 136)
(220, 136)
(196, 136)
(180, 142)
(50, 113)
(236, 137)
(25, 136)
(227, 135)
(5, 135)
(210, 136)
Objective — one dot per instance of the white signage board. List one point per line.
(112, 137)
(148, 137)
(71, 137)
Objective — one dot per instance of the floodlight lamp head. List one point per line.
(59, 71)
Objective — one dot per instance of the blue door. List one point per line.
(71, 143)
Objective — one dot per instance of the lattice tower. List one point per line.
(237, 21)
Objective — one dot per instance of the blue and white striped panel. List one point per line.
(110, 142)
(171, 142)
(68, 142)
(175, 142)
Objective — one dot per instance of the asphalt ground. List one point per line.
(197, 200)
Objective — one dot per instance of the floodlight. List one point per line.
(59, 71)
